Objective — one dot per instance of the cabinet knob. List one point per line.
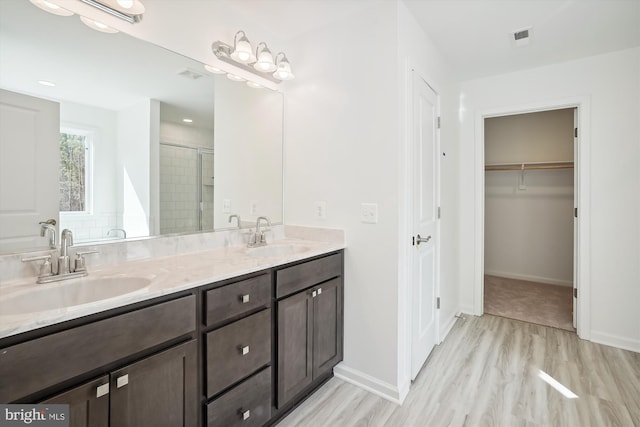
(244, 414)
(122, 381)
(314, 294)
(244, 298)
(102, 390)
(319, 291)
(244, 349)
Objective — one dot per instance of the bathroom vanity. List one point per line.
(241, 350)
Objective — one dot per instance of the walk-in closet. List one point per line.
(529, 217)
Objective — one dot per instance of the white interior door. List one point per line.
(425, 223)
(576, 245)
(29, 164)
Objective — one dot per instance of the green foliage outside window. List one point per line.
(72, 172)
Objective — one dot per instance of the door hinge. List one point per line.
(575, 132)
(575, 212)
(439, 212)
(575, 292)
(438, 303)
(438, 123)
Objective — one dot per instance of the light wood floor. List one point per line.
(548, 305)
(486, 373)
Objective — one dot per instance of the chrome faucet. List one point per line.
(48, 271)
(237, 217)
(49, 229)
(258, 238)
(66, 241)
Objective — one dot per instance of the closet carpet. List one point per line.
(548, 305)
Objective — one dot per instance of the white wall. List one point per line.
(137, 126)
(611, 83)
(248, 129)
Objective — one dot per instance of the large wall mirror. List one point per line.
(145, 141)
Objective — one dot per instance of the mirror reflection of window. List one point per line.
(75, 170)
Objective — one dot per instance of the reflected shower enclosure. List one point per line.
(186, 189)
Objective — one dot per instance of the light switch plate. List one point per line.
(253, 207)
(320, 209)
(226, 206)
(369, 213)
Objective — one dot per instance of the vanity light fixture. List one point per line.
(128, 10)
(262, 63)
(264, 60)
(254, 85)
(283, 71)
(51, 8)
(242, 51)
(235, 78)
(98, 26)
(214, 70)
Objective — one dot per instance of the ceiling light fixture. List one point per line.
(128, 10)
(51, 8)
(262, 63)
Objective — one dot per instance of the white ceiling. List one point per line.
(474, 35)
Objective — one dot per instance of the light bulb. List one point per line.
(127, 4)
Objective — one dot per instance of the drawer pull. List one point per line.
(314, 294)
(122, 381)
(244, 414)
(319, 291)
(244, 298)
(102, 390)
(244, 349)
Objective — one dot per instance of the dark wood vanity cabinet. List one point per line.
(241, 352)
(159, 390)
(141, 368)
(309, 317)
(237, 351)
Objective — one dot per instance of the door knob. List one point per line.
(422, 239)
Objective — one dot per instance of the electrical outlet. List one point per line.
(320, 209)
(226, 206)
(253, 207)
(369, 213)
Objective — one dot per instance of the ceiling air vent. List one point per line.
(521, 37)
(190, 74)
(524, 34)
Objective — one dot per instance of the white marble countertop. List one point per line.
(166, 275)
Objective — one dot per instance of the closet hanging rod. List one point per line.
(527, 166)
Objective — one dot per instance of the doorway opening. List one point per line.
(529, 217)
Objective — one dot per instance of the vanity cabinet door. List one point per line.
(88, 403)
(295, 339)
(327, 326)
(158, 391)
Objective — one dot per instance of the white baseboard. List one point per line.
(530, 278)
(371, 384)
(615, 341)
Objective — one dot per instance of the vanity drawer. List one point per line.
(248, 404)
(237, 350)
(237, 298)
(293, 279)
(31, 366)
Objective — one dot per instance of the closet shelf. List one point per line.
(527, 166)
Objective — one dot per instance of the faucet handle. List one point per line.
(46, 269)
(80, 262)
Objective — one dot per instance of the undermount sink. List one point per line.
(277, 250)
(69, 294)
